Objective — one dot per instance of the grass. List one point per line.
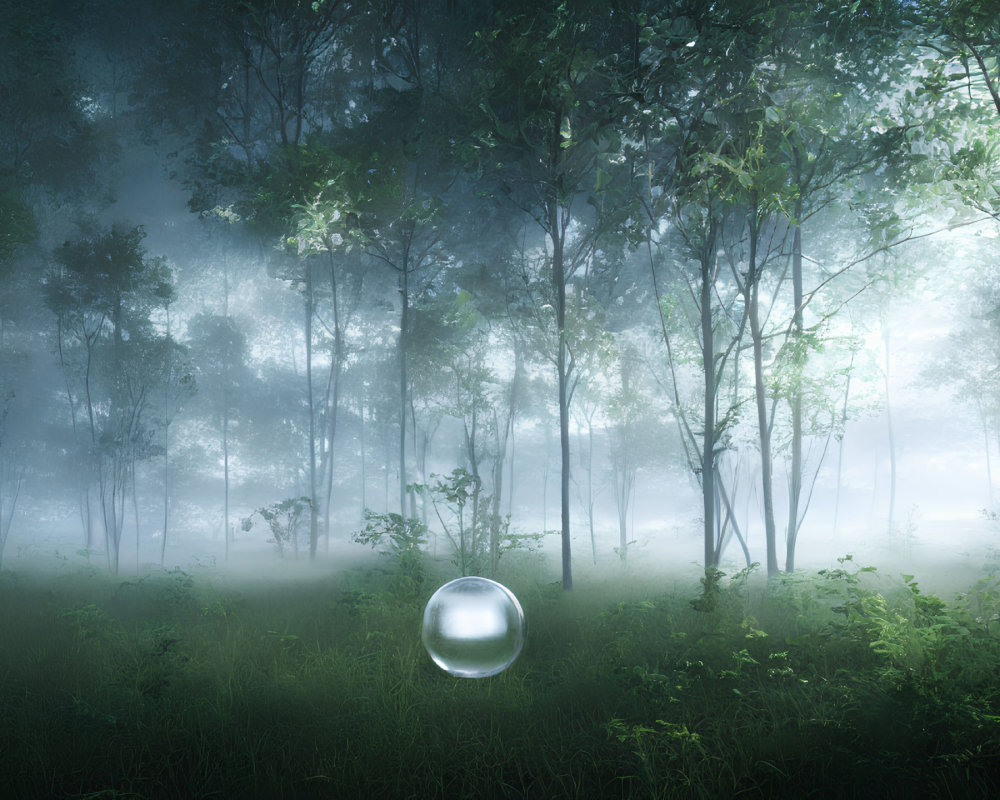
(843, 683)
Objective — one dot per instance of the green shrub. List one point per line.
(842, 684)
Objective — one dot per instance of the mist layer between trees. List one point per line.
(702, 285)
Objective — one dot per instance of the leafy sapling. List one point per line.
(284, 519)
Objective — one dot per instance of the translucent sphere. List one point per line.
(473, 627)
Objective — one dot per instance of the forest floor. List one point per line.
(836, 683)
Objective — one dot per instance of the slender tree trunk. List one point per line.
(94, 456)
(225, 472)
(562, 369)
(986, 449)
(166, 492)
(795, 400)
(82, 478)
(545, 492)
(311, 403)
(708, 443)
(225, 423)
(590, 486)
(997, 434)
(106, 499)
(334, 405)
(113, 519)
(112, 505)
(567, 563)
(403, 381)
(364, 461)
(473, 460)
(166, 443)
(760, 392)
(840, 447)
(514, 393)
(418, 454)
(510, 473)
(624, 484)
(890, 431)
(300, 71)
(751, 294)
(731, 515)
(500, 447)
(135, 516)
(386, 459)
(7, 513)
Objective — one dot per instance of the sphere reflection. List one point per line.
(473, 627)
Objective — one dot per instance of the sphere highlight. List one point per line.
(473, 627)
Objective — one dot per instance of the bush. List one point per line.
(842, 684)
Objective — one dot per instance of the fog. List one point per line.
(416, 398)
(313, 408)
(942, 531)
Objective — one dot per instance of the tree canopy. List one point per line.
(392, 246)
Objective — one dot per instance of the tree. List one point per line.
(459, 356)
(219, 352)
(267, 73)
(102, 296)
(971, 365)
(739, 121)
(178, 386)
(965, 33)
(632, 426)
(275, 63)
(11, 475)
(829, 132)
(46, 141)
(684, 197)
(551, 146)
(319, 232)
(395, 183)
(284, 520)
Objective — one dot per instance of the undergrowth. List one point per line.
(844, 683)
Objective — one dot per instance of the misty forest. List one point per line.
(680, 319)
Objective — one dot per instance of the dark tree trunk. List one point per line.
(795, 400)
(752, 294)
(166, 446)
(333, 394)
(708, 363)
(225, 472)
(562, 369)
(313, 518)
(590, 487)
(404, 321)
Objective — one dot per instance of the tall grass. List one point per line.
(837, 684)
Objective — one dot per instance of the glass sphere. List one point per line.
(473, 627)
